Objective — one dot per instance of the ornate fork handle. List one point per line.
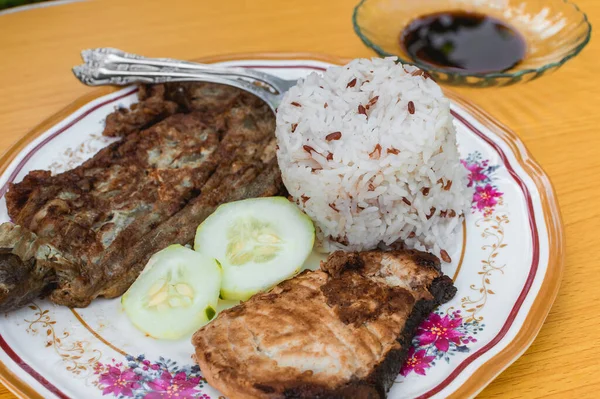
(109, 56)
(107, 66)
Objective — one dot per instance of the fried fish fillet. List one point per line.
(185, 149)
(339, 332)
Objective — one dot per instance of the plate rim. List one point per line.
(550, 284)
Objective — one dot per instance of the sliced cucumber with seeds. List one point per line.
(176, 293)
(258, 242)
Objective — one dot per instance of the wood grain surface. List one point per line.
(556, 116)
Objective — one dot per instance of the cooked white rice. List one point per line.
(386, 175)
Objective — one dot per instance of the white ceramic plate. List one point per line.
(507, 273)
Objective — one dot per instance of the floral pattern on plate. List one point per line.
(139, 378)
(440, 336)
(481, 176)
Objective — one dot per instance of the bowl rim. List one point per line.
(426, 67)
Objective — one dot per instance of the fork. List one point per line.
(109, 66)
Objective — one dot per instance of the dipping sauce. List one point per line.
(463, 41)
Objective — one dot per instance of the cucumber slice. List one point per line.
(258, 242)
(176, 293)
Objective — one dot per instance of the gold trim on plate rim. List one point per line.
(540, 308)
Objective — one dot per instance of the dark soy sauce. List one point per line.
(463, 41)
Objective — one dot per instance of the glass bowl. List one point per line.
(554, 32)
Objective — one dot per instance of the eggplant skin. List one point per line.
(26, 267)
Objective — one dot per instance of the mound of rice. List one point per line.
(369, 152)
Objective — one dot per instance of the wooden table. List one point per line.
(556, 116)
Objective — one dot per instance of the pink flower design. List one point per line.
(486, 197)
(169, 387)
(98, 368)
(417, 362)
(441, 331)
(119, 382)
(475, 172)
